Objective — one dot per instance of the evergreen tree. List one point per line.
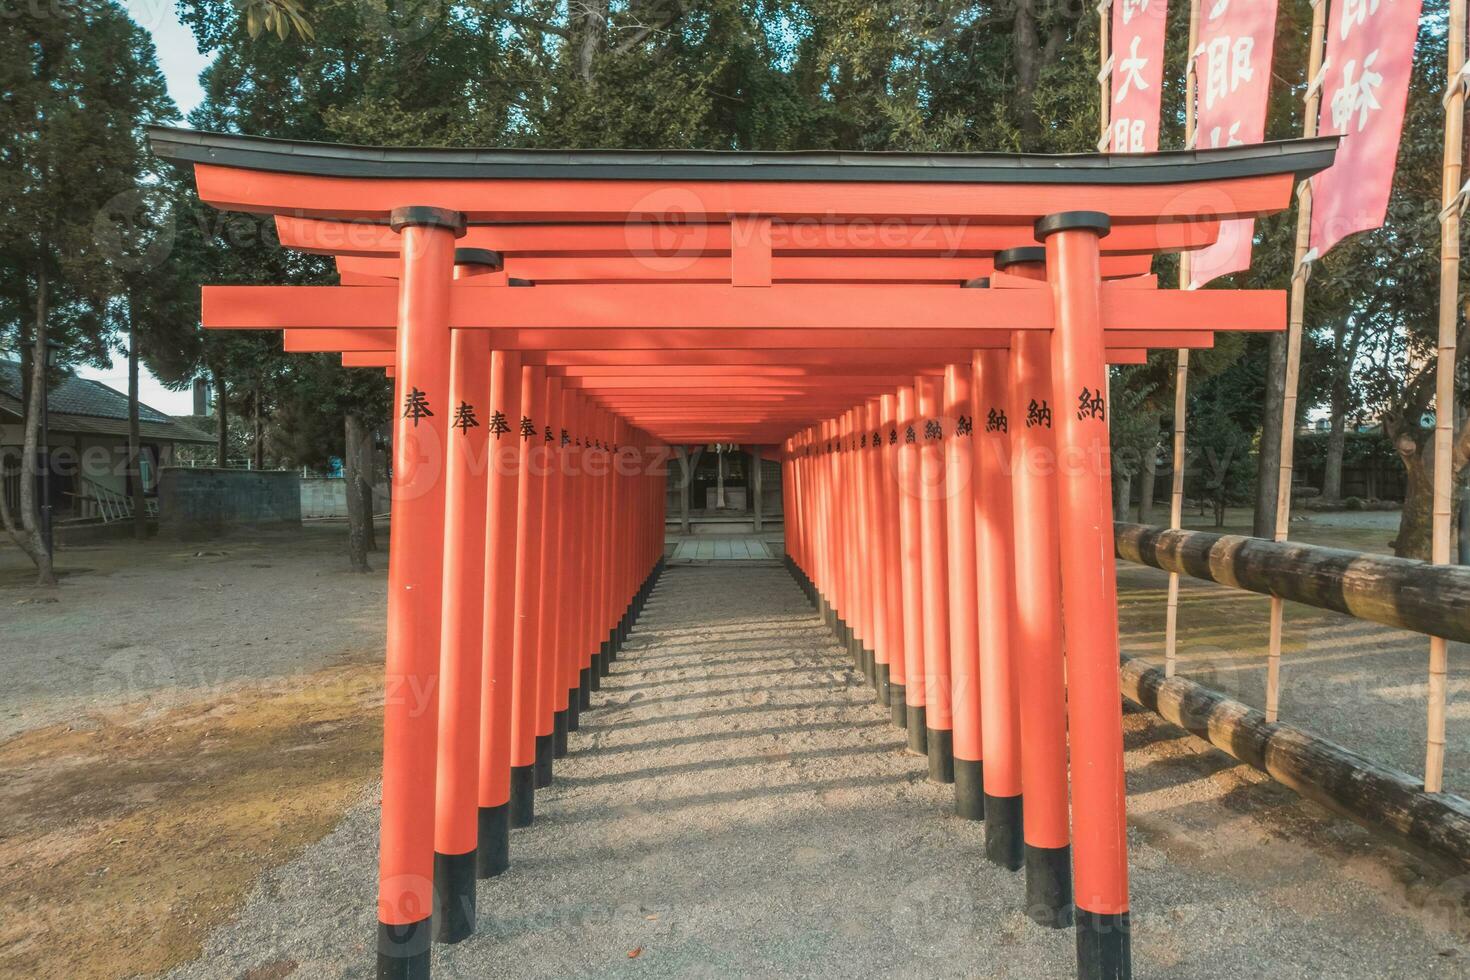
(80, 82)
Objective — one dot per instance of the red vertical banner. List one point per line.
(1365, 85)
(1137, 75)
(1232, 78)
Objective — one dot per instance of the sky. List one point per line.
(181, 63)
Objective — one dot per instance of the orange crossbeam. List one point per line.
(895, 310)
(672, 242)
(790, 269)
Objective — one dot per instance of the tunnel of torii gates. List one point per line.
(922, 341)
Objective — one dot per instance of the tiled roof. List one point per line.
(80, 396)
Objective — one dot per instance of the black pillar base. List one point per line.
(604, 662)
(454, 897)
(870, 667)
(969, 789)
(545, 752)
(574, 709)
(897, 706)
(403, 951)
(918, 742)
(1005, 833)
(492, 856)
(522, 796)
(559, 729)
(941, 755)
(1102, 946)
(884, 688)
(597, 670)
(585, 686)
(1049, 886)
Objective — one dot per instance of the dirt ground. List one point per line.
(190, 744)
(163, 621)
(176, 718)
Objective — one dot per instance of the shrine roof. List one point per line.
(1301, 157)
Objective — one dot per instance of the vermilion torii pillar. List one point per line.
(415, 575)
(1089, 595)
(466, 490)
(934, 576)
(964, 630)
(498, 679)
(874, 531)
(526, 634)
(857, 543)
(910, 570)
(995, 578)
(547, 630)
(888, 526)
(1038, 619)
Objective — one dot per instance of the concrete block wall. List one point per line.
(323, 496)
(197, 503)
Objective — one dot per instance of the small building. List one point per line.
(88, 425)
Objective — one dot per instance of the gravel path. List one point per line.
(736, 805)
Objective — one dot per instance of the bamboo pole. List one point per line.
(1299, 275)
(1105, 72)
(1181, 369)
(1444, 399)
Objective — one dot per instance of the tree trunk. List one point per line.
(1122, 490)
(1416, 520)
(135, 439)
(1336, 441)
(367, 468)
(29, 515)
(1268, 466)
(221, 420)
(1026, 58)
(592, 24)
(1336, 446)
(1464, 536)
(358, 516)
(1146, 482)
(257, 438)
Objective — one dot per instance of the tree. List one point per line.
(322, 418)
(79, 85)
(1221, 447)
(1133, 426)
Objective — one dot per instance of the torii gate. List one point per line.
(886, 320)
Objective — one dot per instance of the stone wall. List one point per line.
(196, 502)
